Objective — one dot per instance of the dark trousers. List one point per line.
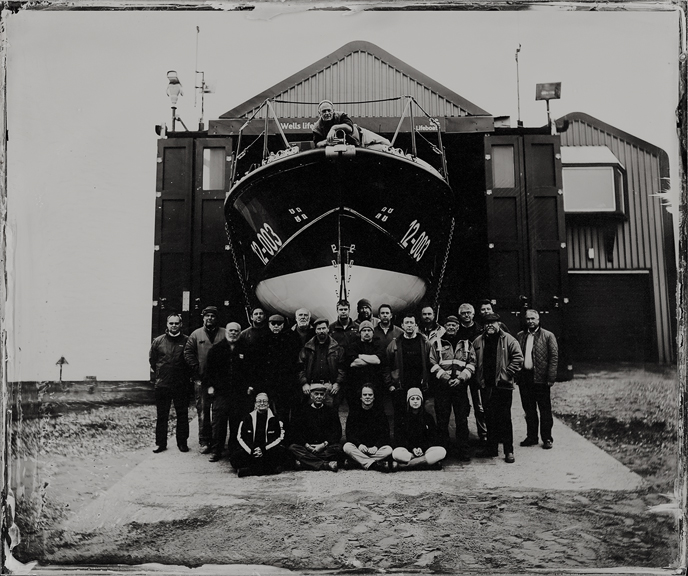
(314, 461)
(266, 464)
(497, 405)
(536, 397)
(399, 406)
(203, 407)
(446, 399)
(478, 410)
(164, 398)
(227, 411)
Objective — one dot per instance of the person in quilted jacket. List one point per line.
(540, 362)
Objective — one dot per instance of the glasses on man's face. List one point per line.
(465, 313)
(262, 402)
(276, 323)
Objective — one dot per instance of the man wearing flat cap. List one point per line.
(195, 355)
(322, 360)
(281, 367)
(316, 433)
(330, 122)
(498, 361)
(452, 366)
(363, 362)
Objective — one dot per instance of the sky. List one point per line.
(86, 89)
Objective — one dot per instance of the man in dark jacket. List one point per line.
(172, 379)
(195, 354)
(260, 437)
(343, 329)
(329, 123)
(303, 326)
(363, 361)
(367, 433)
(255, 339)
(322, 360)
(365, 313)
(316, 432)
(498, 361)
(540, 363)
(407, 366)
(226, 379)
(385, 331)
(280, 374)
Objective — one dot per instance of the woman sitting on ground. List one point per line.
(367, 433)
(417, 443)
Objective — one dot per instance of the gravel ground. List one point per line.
(61, 463)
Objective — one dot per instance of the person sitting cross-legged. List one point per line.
(417, 446)
(260, 438)
(367, 433)
(316, 432)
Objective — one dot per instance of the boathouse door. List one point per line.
(191, 261)
(526, 230)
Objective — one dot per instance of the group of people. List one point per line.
(276, 390)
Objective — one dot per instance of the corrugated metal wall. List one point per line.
(640, 240)
(361, 76)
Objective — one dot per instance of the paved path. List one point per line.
(174, 486)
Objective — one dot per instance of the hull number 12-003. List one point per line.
(269, 241)
(419, 244)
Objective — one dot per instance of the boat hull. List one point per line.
(312, 222)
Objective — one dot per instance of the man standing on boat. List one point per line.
(330, 122)
(195, 354)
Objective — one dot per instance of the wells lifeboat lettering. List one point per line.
(418, 244)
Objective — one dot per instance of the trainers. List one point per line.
(332, 465)
(159, 449)
(509, 458)
(547, 444)
(529, 442)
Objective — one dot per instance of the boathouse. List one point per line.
(569, 222)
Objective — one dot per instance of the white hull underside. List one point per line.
(318, 290)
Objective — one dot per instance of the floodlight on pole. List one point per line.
(174, 91)
(547, 92)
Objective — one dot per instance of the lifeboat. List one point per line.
(312, 226)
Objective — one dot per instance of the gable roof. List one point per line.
(353, 76)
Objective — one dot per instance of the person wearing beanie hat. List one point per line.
(195, 355)
(365, 313)
(452, 366)
(416, 441)
(498, 361)
(363, 364)
(330, 122)
(367, 432)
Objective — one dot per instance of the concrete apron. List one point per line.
(174, 485)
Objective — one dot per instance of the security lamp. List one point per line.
(547, 92)
(174, 89)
